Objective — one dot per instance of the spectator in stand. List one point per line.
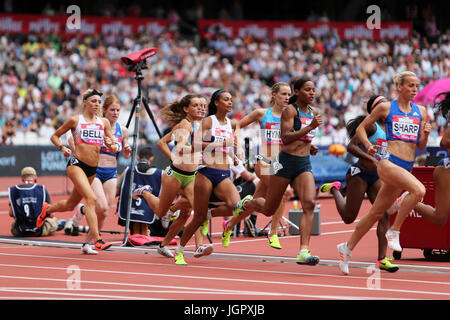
(54, 75)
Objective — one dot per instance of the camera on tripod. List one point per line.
(136, 61)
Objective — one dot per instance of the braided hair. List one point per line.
(444, 105)
(353, 124)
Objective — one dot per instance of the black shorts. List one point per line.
(289, 166)
(87, 169)
(370, 177)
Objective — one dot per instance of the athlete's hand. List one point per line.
(316, 121)
(126, 150)
(372, 150)
(313, 150)
(110, 144)
(66, 152)
(427, 128)
(240, 153)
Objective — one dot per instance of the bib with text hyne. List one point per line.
(272, 133)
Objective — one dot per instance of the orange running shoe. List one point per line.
(41, 218)
(102, 245)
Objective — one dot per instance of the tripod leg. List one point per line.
(133, 108)
(137, 105)
(150, 114)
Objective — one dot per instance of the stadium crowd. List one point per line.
(42, 76)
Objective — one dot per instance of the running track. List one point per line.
(54, 268)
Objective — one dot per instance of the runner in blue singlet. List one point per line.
(406, 128)
(362, 178)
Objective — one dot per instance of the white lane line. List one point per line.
(250, 281)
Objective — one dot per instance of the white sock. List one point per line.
(209, 214)
(303, 250)
(180, 249)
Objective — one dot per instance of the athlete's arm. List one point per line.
(380, 112)
(71, 143)
(69, 124)
(255, 115)
(287, 124)
(126, 149)
(237, 139)
(425, 129)
(355, 149)
(182, 132)
(108, 138)
(162, 144)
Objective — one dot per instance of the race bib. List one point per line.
(310, 136)
(381, 146)
(92, 133)
(405, 128)
(272, 133)
(220, 136)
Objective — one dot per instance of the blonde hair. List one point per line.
(109, 100)
(89, 93)
(399, 78)
(276, 88)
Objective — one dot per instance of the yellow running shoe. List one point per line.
(226, 235)
(179, 259)
(305, 257)
(385, 264)
(274, 242)
(204, 228)
(239, 207)
(328, 186)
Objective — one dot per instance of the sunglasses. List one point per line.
(94, 92)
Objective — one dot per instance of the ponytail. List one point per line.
(353, 124)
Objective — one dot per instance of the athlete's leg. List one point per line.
(416, 192)
(438, 215)
(202, 191)
(82, 185)
(101, 205)
(176, 226)
(383, 223)
(305, 188)
(391, 188)
(349, 208)
(269, 205)
(278, 214)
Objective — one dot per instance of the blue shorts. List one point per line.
(214, 175)
(106, 173)
(370, 177)
(444, 162)
(407, 165)
(289, 166)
